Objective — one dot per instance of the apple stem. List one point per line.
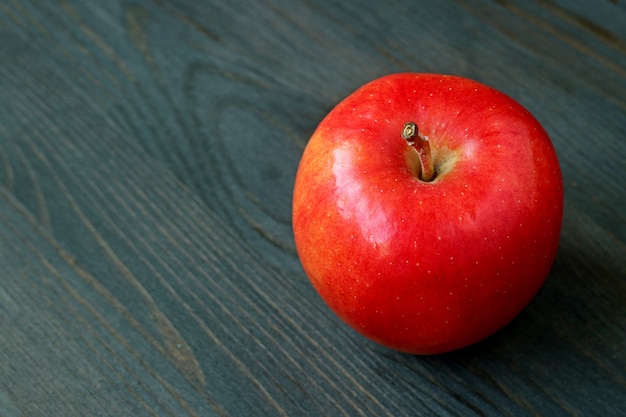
(420, 143)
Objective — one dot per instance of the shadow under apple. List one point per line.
(571, 336)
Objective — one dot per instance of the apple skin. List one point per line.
(428, 267)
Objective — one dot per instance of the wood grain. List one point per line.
(147, 157)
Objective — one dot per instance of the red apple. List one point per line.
(428, 265)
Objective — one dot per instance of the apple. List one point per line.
(427, 210)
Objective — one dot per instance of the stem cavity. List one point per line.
(411, 134)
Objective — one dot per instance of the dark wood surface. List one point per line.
(147, 157)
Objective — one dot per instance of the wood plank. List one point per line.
(147, 155)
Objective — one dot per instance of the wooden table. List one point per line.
(147, 157)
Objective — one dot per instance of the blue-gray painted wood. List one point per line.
(147, 157)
